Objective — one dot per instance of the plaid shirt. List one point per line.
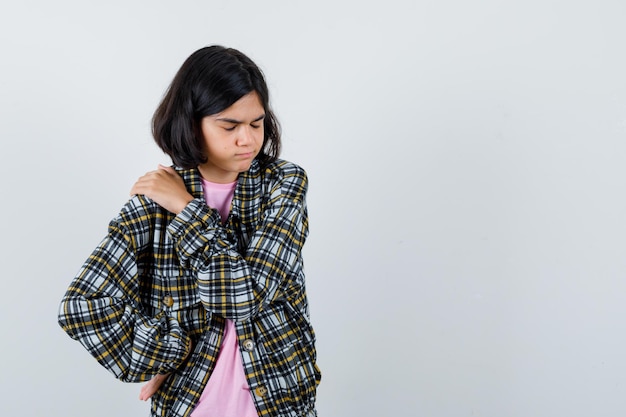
(153, 296)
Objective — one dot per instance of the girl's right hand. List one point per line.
(165, 187)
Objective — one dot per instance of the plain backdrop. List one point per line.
(466, 164)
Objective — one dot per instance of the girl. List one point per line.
(198, 286)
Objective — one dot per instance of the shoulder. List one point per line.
(281, 165)
(141, 211)
(192, 179)
(141, 217)
(285, 171)
(288, 177)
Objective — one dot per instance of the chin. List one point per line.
(244, 167)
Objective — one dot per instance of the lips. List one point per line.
(245, 155)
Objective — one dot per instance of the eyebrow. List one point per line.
(236, 122)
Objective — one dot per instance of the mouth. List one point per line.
(245, 155)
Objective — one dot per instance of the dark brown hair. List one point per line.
(209, 81)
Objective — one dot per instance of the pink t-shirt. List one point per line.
(227, 393)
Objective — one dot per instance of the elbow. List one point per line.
(65, 320)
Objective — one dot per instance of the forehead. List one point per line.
(247, 106)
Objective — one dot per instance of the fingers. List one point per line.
(152, 179)
(143, 394)
(164, 186)
(146, 393)
(168, 169)
(151, 387)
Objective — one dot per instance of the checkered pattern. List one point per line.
(153, 296)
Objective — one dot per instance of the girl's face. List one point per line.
(232, 139)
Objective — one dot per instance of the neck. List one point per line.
(218, 177)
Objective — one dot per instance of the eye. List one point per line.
(230, 129)
(255, 126)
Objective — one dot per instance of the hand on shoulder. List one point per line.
(165, 187)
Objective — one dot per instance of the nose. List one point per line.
(246, 136)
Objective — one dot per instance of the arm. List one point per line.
(102, 310)
(238, 285)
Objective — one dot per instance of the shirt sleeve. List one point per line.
(238, 285)
(102, 310)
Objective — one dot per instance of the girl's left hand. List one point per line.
(151, 387)
(165, 187)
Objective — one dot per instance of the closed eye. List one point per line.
(233, 123)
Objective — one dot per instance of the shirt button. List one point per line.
(248, 345)
(260, 391)
(168, 301)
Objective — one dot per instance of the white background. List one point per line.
(466, 161)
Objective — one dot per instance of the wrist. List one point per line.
(183, 203)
